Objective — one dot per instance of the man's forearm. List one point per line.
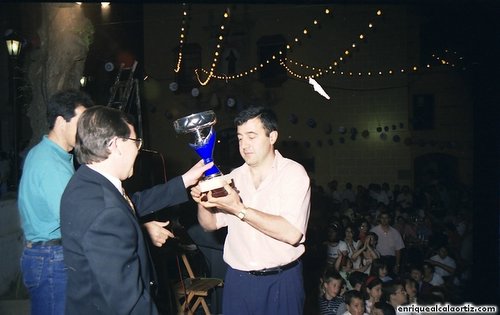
(274, 226)
(206, 218)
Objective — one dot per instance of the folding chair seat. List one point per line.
(192, 291)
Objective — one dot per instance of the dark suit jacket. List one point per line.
(104, 249)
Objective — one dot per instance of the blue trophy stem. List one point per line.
(205, 151)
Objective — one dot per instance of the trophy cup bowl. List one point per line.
(200, 126)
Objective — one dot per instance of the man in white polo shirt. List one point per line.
(266, 219)
(390, 243)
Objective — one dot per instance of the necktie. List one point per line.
(130, 203)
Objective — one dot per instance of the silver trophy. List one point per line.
(200, 126)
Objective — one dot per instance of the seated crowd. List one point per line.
(375, 249)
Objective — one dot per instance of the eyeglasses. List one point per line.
(138, 142)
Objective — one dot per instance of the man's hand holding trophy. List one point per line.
(200, 126)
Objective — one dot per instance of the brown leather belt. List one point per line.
(54, 242)
(274, 270)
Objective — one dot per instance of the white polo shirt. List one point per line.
(284, 192)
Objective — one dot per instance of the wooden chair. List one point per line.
(193, 289)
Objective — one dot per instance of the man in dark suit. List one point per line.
(109, 269)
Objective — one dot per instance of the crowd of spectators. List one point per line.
(395, 246)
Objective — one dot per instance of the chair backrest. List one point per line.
(188, 266)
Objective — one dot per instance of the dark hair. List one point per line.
(415, 267)
(377, 264)
(96, 127)
(63, 103)
(334, 225)
(389, 288)
(266, 116)
(370, 283)
(373, 235)
(428, 265)
(384, 212)
(407, 280)
(351, 295)
(442, 245)
(359, 222)
(354, 231)
(357, 277)
(329, 274)
(385, 307)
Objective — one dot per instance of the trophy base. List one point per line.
(216, 186)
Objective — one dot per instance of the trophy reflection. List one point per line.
(200, 126)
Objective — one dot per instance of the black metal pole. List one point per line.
(15, 114)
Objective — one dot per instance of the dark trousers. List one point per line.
(277, 294)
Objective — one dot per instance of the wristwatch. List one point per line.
(241, 215)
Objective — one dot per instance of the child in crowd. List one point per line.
(331, 302)
(424, 289)
(344, 265)
(393, 292)
(411, 290)
(334, 244)
(357, 279)
(444, 265)
(379, 269)
(373, 292)
(354, 302)
(351, 239)
(430, 276)
(367, 251)
(364, 228)
(383, 308)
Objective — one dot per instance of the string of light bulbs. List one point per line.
(182, 37)
(320, 71)
(296, 40)
(241, 74)
(285, 62)
(367, 73)
(445, 59)
(306, 32)
(218, 48)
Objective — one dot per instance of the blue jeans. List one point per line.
(44, 275)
